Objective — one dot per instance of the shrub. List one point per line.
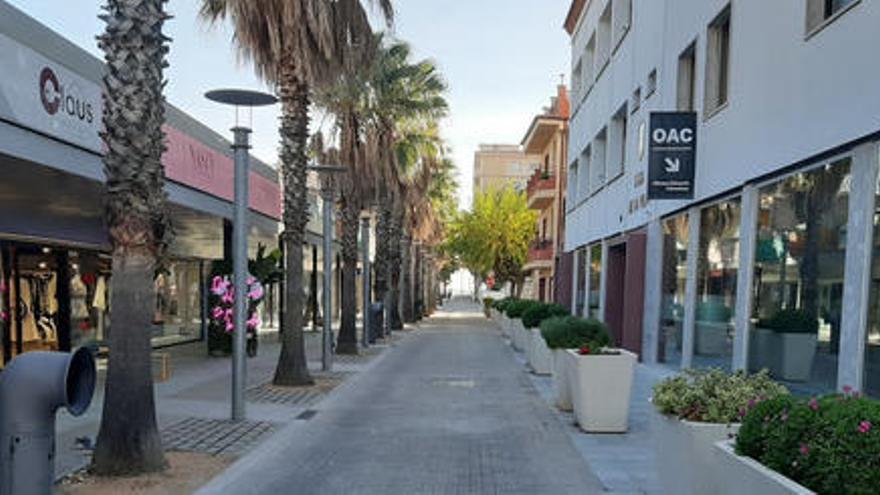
(488, 303)
(571, 332)
(520, 306)
(791, 321)
(830, 445)
(533, 316)
(713, 396)
(501, 304)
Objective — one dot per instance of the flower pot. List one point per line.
(711, 338)
(601, 387)
(738, 474)
(540, 357)
(518, 331)
(561, 379)
(685, 464)
(505, 325)
(788, 356)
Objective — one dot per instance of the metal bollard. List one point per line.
(32, 388)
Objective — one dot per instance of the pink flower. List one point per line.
(228, 297)
(250, 280)
(742, 412)
(814, 404)
(805, 449)
(865, 426)
(218, 312)
(256, 291)
(229, 327)
(254, 322)
(752, 403)
(219, 286)
(847, 389)
(4, 316)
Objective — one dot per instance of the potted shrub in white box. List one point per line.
(515, 311)
(601, 381)
(558, 334)
(694, 410)
(539, 355)
(786, 344)
(788, 445)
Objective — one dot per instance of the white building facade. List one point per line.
(775, 262)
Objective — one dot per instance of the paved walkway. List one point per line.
(448, 411)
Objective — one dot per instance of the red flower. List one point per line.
(585, 350)
(84, 325)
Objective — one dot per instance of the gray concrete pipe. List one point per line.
(32, 388)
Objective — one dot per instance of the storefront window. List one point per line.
(672, 295)
(581, 280)
(178, 315)
(718, 264)
(89, 287)
(872, 348)
(799, 269)
(595, 279)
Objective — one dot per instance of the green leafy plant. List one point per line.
(713, 396)
(533, 316)
(830, 445)
(791, 321)
(501, 304)
(517, 308)
(571, 332)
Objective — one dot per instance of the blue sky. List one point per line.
(501, 58)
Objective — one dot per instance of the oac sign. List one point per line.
(672, 154)
(42, 95)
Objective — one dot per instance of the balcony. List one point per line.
(541, 254)
(541, 190)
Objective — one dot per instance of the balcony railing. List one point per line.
(541, 250)
(540, 181)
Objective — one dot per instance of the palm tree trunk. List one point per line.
(292, 369)
(406, 280)
(128, 441)
(347, 341)
(140, 230)
(396, 259)
(382, 266)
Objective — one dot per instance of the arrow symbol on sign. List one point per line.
(673, 165)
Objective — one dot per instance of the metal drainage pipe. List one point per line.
(32, 388)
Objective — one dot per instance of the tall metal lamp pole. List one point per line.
(328, 194)
(240, 147)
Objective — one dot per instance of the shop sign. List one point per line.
(672, 152)
(40, 94)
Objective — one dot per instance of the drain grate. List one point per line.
(215, 436)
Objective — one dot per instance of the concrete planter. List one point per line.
(685, 464)
(504, 321)
(518, 334)
(788, 356)
(601, 389)
(561, 379)
(540, 357)
(737, 474)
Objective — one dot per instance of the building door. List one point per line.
(634, 290)
(542, 288)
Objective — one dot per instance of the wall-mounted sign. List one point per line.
(43, 95)
(672, 155)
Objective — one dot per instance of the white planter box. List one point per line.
(788, 356)
(518, 331)
(505, 325)
(683, 449)
(601, 389)
(738, 474)
(540, 357)
(561, 379)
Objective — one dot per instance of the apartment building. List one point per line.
(778, 228)
(547, 137)
(499, 165)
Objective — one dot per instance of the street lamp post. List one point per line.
(240, 147)
(365, 235)
(328, 194)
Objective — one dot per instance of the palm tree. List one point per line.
(139, 227)
(296, 45)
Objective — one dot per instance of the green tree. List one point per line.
(135, 51)
(296, 45)
(494, 237)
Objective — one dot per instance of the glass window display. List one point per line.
(799, 269)
(582, 254)
(717, 269)
(672, 294)
(595, 279)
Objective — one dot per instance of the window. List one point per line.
(573, 182)
(718, 62)
(622, 19)
(589, 64)
(581, 285)
(687, 75)
(598, 161)
(652, 84)
(595, 253)
(585, 171)
(636, 100)
(617, 148)
(672, 292)
(819, 12)
(603, 40)
(576, 80)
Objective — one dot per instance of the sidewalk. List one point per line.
(193, 406)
